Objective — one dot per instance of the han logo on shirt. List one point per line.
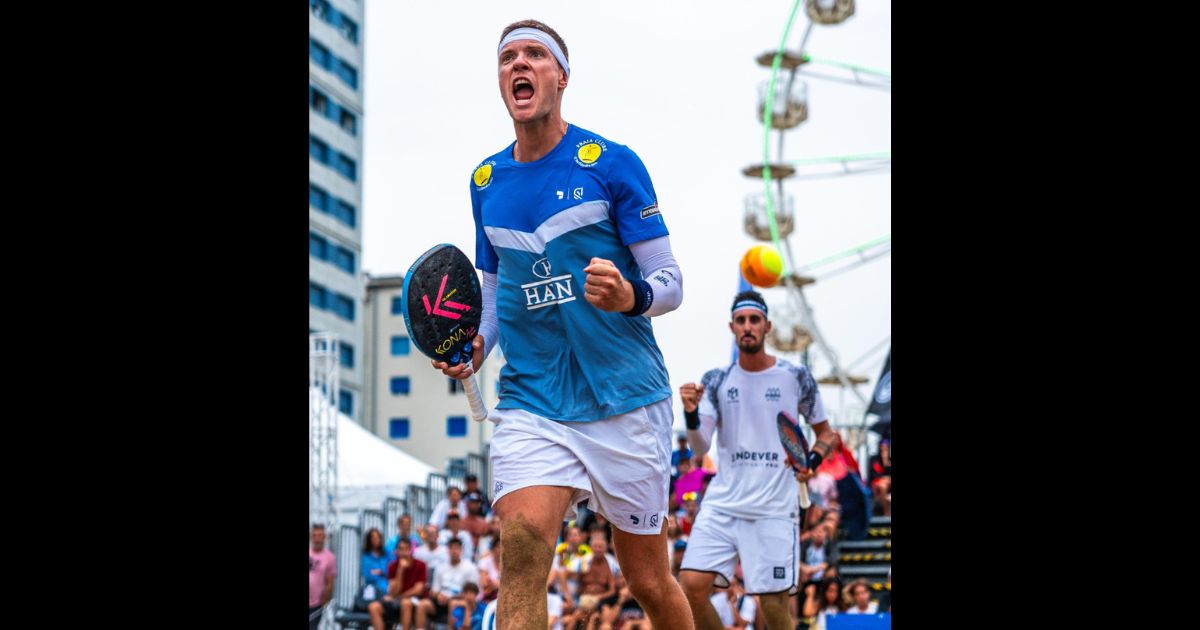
(589, 151)
(773, 394)
(731, 394)
(483, 175)
(550, 291)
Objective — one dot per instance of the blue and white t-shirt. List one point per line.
(537, 226)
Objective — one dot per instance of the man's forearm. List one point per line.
(827, 442)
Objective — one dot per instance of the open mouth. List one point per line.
(522, 91)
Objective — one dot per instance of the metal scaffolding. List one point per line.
(322, 429)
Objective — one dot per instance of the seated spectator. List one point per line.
(475, 523)
(488, 621)
(822, 600)
(679, 548)
(489, 573)
(404, 530)
(854, 497)
(599, 526)
(822, 489)
(681, 454)
(691, 508)
(448, 581)
(472, 483)
(879, 477)
(406, 585)
(554, 608)
(814, 564)
(454, 530)
(374, 564)
(691, 478)
(462, 607)
(570, 559)
(453, 501)
(858, 599)
(431, 553)
(598, 582)
(735, 609)
(627, 612)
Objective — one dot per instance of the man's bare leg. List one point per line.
(698, 586)
(775, 610)
(647, 570)
(531, 520)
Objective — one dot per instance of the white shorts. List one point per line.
(768, 547)
(620, 465)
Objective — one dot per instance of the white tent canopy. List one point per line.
(370, 470)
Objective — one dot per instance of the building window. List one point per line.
(318, 150)
(316, 295)
(400, 346)
(346, 167)
(397, 306)
(400, 385)
(349, 29)
(318, 198)
(347, 354)
(456, 385)
(398, 428)
(343, 307)
(317, 247)
(345, 213)
(319, 54)
(349, 122)
(345, 402)
(456, 426)
(318, 101)
(344, 259)
(347, 74)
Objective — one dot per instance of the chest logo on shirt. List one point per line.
(483, 176)
(589, 151)
(550, 291)
(773, 394)
(731, 394)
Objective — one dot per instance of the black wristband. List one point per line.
(643, 297)
(691, 419)
(814, 460)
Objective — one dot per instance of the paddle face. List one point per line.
(442, 304)
(793, 440)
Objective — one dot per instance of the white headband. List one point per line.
(542, 38)
(749, 304)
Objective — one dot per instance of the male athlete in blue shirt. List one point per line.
(585, 403)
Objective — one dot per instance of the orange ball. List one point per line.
(761, 266)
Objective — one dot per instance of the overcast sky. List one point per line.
(677, 83)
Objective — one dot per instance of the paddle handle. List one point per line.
(475, 399)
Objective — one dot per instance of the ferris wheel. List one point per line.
(769, 215)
